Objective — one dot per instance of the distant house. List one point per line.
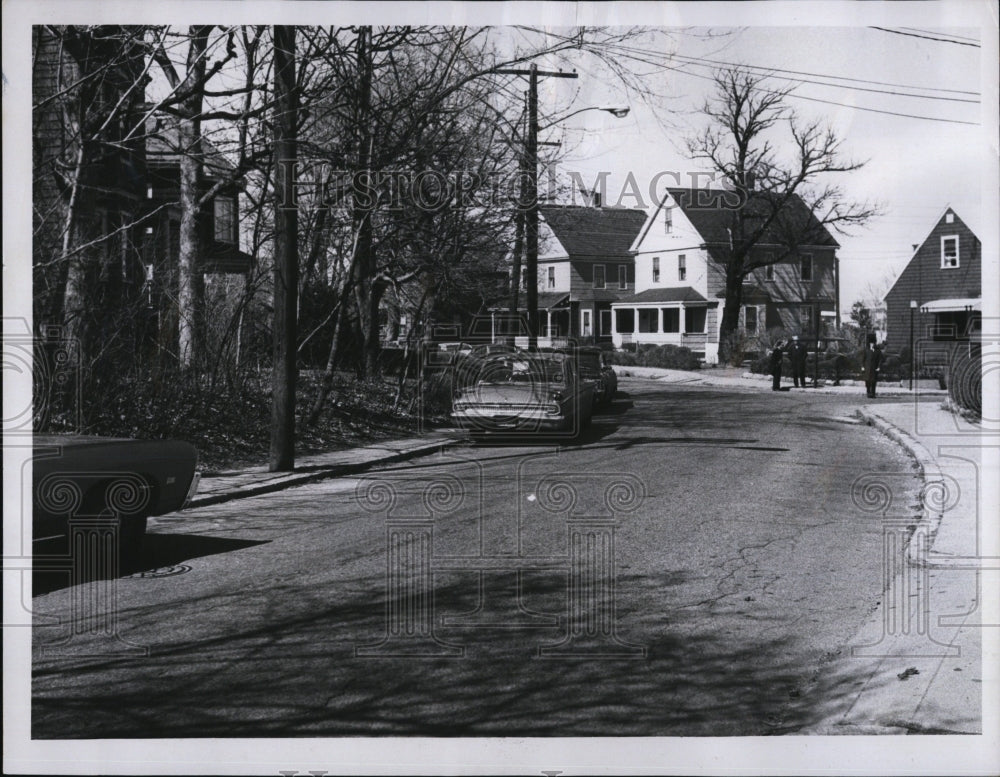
(680, 279)
(941, 285)
(584, 265)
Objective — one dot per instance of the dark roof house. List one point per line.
(940, 289)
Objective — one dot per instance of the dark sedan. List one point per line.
(126, 481)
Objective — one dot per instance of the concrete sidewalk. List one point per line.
(225, 486)
(917, 664)
(754, 381)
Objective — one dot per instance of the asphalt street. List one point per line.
(688, 567)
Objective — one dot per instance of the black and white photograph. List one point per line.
(503, 388)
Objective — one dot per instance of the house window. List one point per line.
(949, 218)
(599, 280)
(682, 271)
(694, 320)
(648, 320)
(622, 276)
(552, 277)
(587, 327)
(668, 220)
(656, 269)
(671, 319)
(625, 323)
(750, 319)
(769, 267)
(949, 251)
(225, 219)
(806, 268)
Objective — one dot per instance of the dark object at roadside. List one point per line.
(123, 481)
(775, 366)
(594, 368)
(870, 367)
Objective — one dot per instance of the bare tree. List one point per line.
(777, 166)
(286, 257)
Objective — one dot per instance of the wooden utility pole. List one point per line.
(531, 194)
(286, 260)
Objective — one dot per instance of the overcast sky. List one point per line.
(916, 166)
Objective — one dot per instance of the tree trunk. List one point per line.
(730, 313)
(286, 258)
(190, 282)
(190, 285)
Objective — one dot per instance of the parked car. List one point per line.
(594, 367)
(517, 392)
(128, 480)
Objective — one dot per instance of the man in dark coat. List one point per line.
(797, 353)
(870, 364)
(775, 365)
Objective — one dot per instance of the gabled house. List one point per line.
(680, 278)
(217, 223)
(939, 293)
(584, 265)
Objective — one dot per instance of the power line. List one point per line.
(926, 37)
(936, 32)
(818, 75)
(853, 88)
(830, 102)
(826, 102)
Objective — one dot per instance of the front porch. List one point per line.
(680, 317)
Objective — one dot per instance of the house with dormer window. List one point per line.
(680, 279)
(939, 292)
(584, 265)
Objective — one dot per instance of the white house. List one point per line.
(680, 278)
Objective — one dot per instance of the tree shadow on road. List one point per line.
(297, 671)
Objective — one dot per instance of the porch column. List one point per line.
(659, 320)
(682, 316)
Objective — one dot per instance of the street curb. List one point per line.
(301, 478)
(930, 471)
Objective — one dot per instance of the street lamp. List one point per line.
(618, 111)
(530, 166)
(913, 362)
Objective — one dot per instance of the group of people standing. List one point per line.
(798, 354)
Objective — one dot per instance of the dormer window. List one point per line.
(949, 251)
(225, 219)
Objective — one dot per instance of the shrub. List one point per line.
(623, 358)
(965, 384)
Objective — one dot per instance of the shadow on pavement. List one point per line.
(296, 672)
(158, 551)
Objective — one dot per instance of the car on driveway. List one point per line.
(126, 481)
(522, 392)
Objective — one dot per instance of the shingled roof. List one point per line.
(588, 232)
(711, 212)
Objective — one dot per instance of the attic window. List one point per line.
(949, 251)
(949, 218)
(769, 267)
(668, 220)
(806, 271)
